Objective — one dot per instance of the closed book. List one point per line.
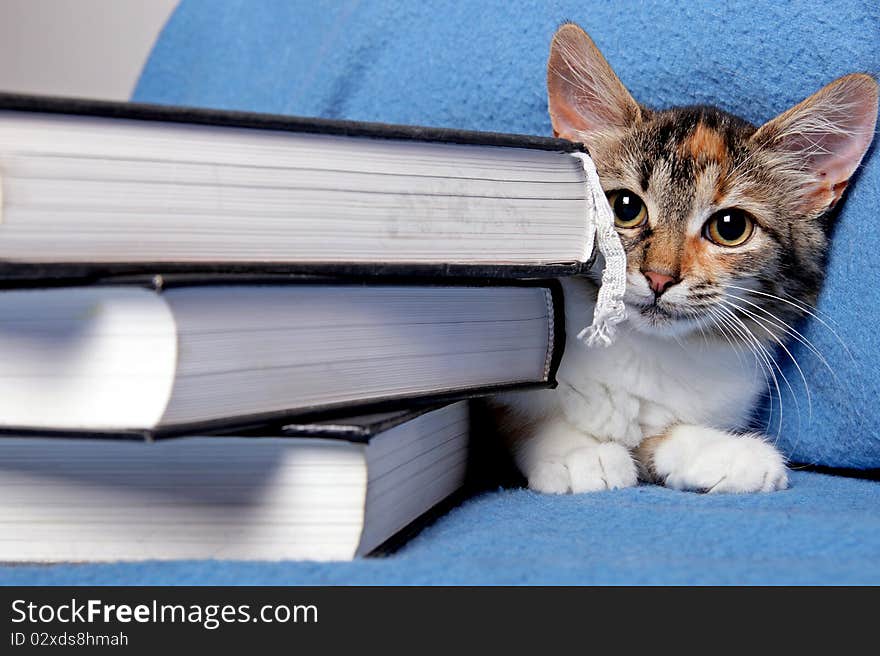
(94, 188)
(191, 358)
(328, 491)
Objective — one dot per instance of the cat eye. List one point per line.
(629, 210)
(730, 227)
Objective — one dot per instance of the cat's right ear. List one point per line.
(824, 138)
(585, 97)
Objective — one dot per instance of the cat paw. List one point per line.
(607, 466)
(550, 478)
(730, 463)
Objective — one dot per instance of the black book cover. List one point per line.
(361, 428)
(276, 122)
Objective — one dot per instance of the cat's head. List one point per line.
(725, 225)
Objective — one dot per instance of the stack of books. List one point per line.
(230, 335)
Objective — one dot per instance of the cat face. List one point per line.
(725, 225)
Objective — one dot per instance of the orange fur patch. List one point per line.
(696, 257)
(837, 190)
(824, 196)
(664, 254)
(644, 454)
(705, 143)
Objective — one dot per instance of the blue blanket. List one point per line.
(481, 65)
(823, 530)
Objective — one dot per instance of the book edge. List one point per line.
(76, 106)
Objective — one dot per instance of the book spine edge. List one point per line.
(557, 330)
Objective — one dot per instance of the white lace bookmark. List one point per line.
(609, 305)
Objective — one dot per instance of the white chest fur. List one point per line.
(642, 384)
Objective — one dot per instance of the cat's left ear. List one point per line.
(825, 137)
(585, 98)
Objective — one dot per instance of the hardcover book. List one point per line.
(95, 188)
(192, 358)
(326, 491)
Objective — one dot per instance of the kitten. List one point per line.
(725, 227)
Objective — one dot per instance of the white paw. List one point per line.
(721, 463)
(550, 478)
(606, 466)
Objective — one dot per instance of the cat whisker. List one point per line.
(726, 325)
(778, 368)
(716, 321)
(779, 422)
(841, 384)
(801, 307)
(762, 323)
(793, 301)
(702, 332)
(713, 322)
(764, 356)
(810, 307)
(799, 337)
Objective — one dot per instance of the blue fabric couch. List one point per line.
(480, 65)
(825, 529)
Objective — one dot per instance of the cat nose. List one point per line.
(659, 282)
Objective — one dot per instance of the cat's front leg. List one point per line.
(557, 458)
(689, 457)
